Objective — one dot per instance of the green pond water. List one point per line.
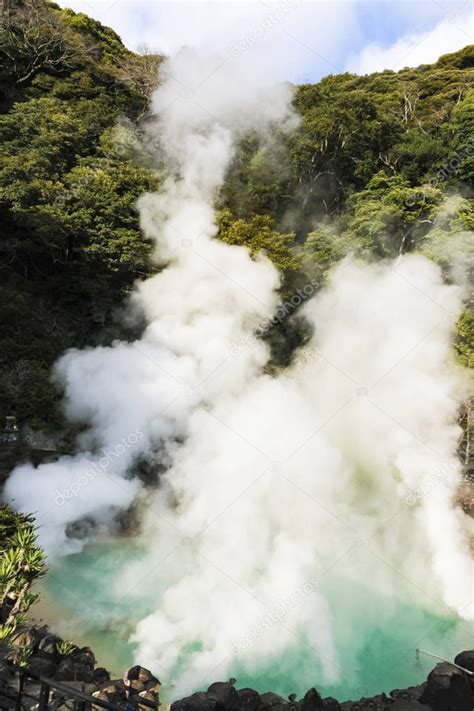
(376, 641)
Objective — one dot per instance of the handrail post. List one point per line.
(82, 701)
(43, 698)
(21, 681)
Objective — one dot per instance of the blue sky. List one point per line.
(294, 39)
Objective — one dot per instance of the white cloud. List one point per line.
(293, 39)
(448, 35)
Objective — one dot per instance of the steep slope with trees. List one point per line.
(378, 166)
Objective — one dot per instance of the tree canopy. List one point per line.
(369, 170)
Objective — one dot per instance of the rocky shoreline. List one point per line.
(447, 688)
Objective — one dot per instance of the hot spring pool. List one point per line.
(85, 600)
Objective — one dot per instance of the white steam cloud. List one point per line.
(270, 481)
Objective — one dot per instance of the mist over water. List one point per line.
(292, 506)
(376, 636)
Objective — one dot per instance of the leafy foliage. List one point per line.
(259, 235)
(388, 215)
(367, 170)
(21, 563)
(70, 243)
(33, 39)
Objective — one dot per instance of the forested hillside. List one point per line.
(379, 165)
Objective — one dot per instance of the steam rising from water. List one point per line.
(347, 459)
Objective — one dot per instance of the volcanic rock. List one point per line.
(447, 689)
(84, 657)
(248, 699)
(411, 693)
(200, 701)
(70, 669)
(113, 691)
(100, 676)
(40, 666)
(466, 659)
(225, 694)
(65, 670)
(138, 679)
(408, 705)
(150, 695)
(222, 689)
(273, 701)
(312, 701)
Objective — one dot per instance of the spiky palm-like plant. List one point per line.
(21, 563)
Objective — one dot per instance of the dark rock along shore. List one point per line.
(446, 688)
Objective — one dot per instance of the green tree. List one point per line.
(464, 339)
(323, 248)
(21, 563)
(463, 138)
(389, 217)
(259, 235)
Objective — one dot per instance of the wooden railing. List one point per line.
(22, 697)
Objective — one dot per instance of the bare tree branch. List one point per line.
(33, 38)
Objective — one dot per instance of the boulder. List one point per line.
(113, 691)
(408, 705)
(83, 657)
(222, 689)
(225, 694)
(83, 673)
(72, 669)
(379, 701)
(365, 704)
(65, 670)
(100, 675)
(272, 701)
(248, 699)
(199, 701)
(150, 695)
(41, 666)
(466, 659)
(410, 693)
(447, 689)
(138, 679)
(312, 701)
